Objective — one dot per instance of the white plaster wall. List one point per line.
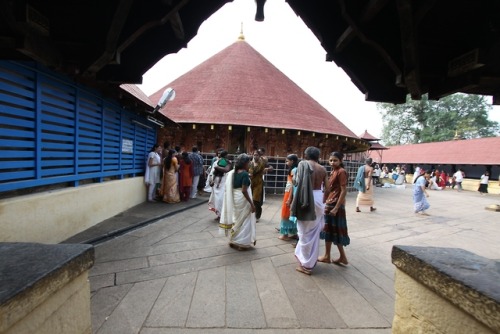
(54, 216)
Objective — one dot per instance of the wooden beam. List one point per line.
(116, 27)
(370, 11)
(409, 49)
(137, 34)
(176, 24)
(383, 53)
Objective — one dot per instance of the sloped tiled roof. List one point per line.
(137, 93)
(368, 137)
(481, 151)
(238, 86)
(377, 146)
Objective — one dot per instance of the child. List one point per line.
(221, 162)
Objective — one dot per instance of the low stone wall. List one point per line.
(45, 288)
(445, 290)
(54, 216)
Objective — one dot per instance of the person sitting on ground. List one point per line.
(433, 183)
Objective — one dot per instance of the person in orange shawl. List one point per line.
(288, 224)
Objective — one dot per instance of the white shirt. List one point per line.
(458, 176)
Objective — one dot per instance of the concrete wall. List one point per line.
(51, 294)
(420, 310)
(444, 290)
(54, 216)
(65, 311)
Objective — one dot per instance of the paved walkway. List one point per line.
(178, 275)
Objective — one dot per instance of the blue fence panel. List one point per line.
(54, 131)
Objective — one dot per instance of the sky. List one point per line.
(290, 46)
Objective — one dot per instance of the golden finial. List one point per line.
(241, 37)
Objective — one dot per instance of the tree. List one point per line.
(432, 121)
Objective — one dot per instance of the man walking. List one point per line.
(197, 161)
(459, 177)
(308, 206)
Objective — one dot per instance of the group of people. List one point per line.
(440, 180)
(173, 175)
(313, 206)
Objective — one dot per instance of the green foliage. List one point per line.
(432, 121)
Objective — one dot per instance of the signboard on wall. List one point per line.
(127, 146)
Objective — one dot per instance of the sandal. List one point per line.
(340, 263)
(358, 210)
(303, 270)
(373, 209)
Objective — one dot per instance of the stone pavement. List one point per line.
(178, 275)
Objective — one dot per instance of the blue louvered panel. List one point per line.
(57, 101)
(17, 114)
(112, 138)
(90, 141)
(128, 133)
(15, 176)
(142, 146)
(52, 131)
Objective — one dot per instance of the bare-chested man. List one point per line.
(308, 206)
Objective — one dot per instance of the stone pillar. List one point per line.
(44, 289)
(445, 290)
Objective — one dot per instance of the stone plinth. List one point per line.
(445, 290)
(45, 288)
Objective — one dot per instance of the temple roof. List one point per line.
(377, 147)
(462, 152)
(238, 86)
(388, 48)
(368, 137)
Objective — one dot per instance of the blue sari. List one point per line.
(419, 201)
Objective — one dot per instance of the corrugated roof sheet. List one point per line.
(238, 86)
(481, 151)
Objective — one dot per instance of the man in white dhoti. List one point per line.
(308, 206)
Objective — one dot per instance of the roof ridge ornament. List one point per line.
(241, 37)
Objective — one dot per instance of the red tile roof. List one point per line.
(481, 151)
(238, 86)
(377, 146)
(137, 93)
(368, 137)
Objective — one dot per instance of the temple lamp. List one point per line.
(168, 95)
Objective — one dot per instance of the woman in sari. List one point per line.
(186, 172)
(152, 174)
(288, 224)
(419, 193)
(169, 187)
(238, 218)
(363, 183)
(217, 195)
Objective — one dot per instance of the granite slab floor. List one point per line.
(178, 275)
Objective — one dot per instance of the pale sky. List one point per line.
(288, 44)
